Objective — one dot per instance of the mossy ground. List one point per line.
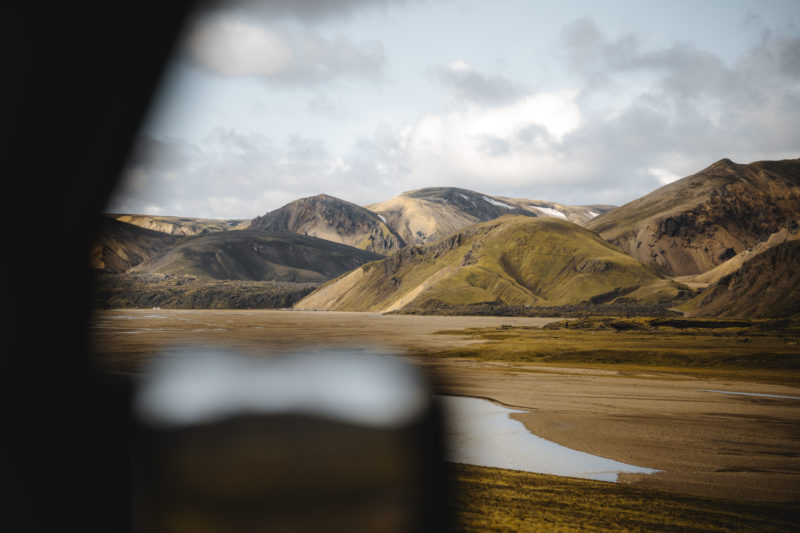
(491, 499)
(766, 351)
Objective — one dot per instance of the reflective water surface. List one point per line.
(482, 433)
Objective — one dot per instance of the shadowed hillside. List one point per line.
(696, 223)
(256, 256)
(513, 260)
(767, 285)
(332, 219)
(121, 246)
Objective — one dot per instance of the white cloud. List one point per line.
(664, 177)
(507, 146)
(229, 46)
(236, 48)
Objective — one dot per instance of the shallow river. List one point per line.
(482, 433)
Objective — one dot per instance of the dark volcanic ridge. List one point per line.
(114, 291)
(256, 256)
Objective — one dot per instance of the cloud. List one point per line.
(684, 107)
(476, 87)
(303, 10)
(233, 175)
(230, 46)
(489, 148)
(640, 118)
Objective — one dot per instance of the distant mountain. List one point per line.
(696, 223)
(426, 215)
(332, 219)
(181, 225)
(511, 260)
(121, 246)
(766, 286)
(256, 256)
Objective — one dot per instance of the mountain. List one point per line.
(332, 219)
(511, 260)
(791, 231)
(426, 215)
(696, 223)
(257, 256)
(767, 285)
(121, 246)
(180, 225)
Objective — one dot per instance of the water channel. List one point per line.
(482, 433)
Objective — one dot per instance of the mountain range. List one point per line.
(709, 243)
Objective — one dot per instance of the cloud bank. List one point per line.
(633, 118)
(229, 46)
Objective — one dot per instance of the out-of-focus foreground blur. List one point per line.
(326, 441)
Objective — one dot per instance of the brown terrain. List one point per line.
(696, 223)
(121, 246)
(181, 225)
(766, 285)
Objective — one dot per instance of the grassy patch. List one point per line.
(491, 499)
(754, 350)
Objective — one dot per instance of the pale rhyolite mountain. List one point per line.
(426, 215)
(181, 225)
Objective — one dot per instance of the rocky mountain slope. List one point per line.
(257, 256)
(790, 232)
(766, 285)
(181, 225)
(512, 260)
(121, 246)
(426, 215)
(332, 219)
(696, 223)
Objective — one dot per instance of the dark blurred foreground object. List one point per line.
(77, 80)
(330, 441)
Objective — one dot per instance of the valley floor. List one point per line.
(710, 447)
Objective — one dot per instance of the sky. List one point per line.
(576, 102)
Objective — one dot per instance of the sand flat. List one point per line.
(267, 331)
(709, 444)
(705, 443)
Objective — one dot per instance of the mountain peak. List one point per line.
(333, 219)
(724, 163)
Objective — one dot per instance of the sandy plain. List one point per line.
(704, 443)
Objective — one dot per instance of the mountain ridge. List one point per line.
(421, 216)
(515, 260)
(333, 219)
(694, 224)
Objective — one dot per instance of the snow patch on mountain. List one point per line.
(496, 202)
(550, 212)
